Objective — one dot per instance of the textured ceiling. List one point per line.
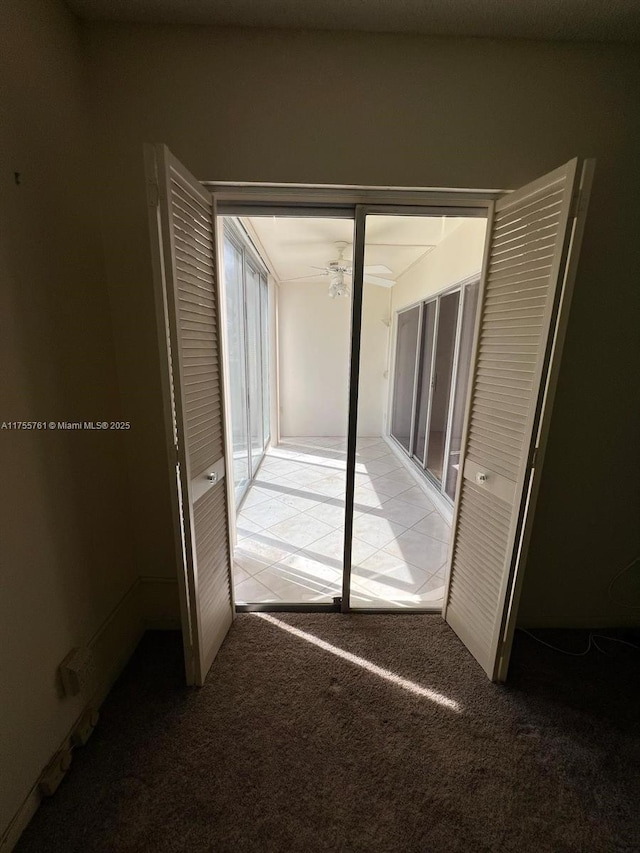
(583, 20)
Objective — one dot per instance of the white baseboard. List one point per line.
(112, 646)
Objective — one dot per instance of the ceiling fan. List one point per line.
(341, 269)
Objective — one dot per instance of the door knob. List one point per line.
(481, 477)
(212, 477)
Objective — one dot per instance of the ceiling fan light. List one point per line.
(338, 286)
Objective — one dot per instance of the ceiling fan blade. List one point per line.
(374, 279)
(324, 269)
(299, 278)
(377, 268)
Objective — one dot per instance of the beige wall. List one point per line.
(65, 546)
(314, 335)
(314, 359)
(373, 390)
(253, 106)
(456, 258)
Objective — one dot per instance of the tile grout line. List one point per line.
(307, 549)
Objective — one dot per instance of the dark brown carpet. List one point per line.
(290, 748)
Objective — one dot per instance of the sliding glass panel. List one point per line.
(264, 336)
(254, 364)
(424, 378)
(470, 305)
(292, 520)
(399, 540)
(441, 392)
(404, 378)
(237, 365)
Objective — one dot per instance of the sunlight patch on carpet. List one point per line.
(404, 683)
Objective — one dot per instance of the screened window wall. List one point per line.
(431, 375)
(247, 330)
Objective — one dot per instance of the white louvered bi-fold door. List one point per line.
(528, 246)
(190, 339)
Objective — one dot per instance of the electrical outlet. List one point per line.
(83, 731)
(54, 772)
(77, 670)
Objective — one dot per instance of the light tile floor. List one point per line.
(291, 529)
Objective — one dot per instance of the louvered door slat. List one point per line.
(519, 270)
(212, 551)
(535, 209)
(512, 258)
(187, 220)
(532, 280)
(195, 265)
(195, 302)
(493, 435)
(192, 246)
(198, 305)
(487, 526)
(526, 237)
(201, 447)
(524, 292)
(203, 411)
(527, 248)
(192, 277)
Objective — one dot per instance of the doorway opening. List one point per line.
(287, 294)
(533, 237)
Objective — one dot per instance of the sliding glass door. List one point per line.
(431, 374)
(247, 307)
(442, 374)
(406, 349)
(265, 361)
(424, 378)
(335, 518)
(254, 364)
(237, 366)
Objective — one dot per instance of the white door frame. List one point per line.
(360, 201)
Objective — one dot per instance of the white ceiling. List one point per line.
(582, 20)
(291, 246)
